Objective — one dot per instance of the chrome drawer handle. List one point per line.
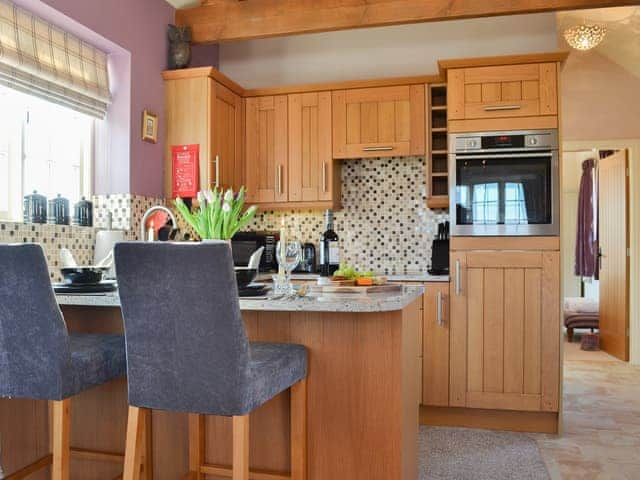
(217, 171)
(497, 108)
(458, 288)
(377, 149)
(440, 316)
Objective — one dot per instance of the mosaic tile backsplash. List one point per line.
(384, 224)
(126, 209)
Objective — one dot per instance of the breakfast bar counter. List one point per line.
(362, 395)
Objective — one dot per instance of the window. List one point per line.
(485, 204)
(43, 147)
(515, 208)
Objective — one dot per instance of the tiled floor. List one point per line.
(601, 438)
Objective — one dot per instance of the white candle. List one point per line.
(283, 249)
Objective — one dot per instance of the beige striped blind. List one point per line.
(40, 59)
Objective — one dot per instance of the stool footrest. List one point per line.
(224, 471)
(31, 468)
(86, 454)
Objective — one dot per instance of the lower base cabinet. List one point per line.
(504, 330)
(435, 344)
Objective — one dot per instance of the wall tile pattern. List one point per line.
(384, 224)
(127, 210)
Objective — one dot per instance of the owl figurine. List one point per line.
(179, 47)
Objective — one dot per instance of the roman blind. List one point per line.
(43, 60)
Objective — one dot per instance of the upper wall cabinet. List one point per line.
(503, 97)
(199, 109)
(227, 140)
(382, 121)
(267, 149)
(311, 169)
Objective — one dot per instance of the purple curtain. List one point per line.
(586, 253)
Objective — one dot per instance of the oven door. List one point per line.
(504, 193)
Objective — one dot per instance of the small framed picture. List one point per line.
(149, 127)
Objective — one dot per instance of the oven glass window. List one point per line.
(503, 191)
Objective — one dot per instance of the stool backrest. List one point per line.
(187, 348)
(34, 344)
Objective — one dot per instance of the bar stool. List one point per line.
(187, 351)
(39, 359)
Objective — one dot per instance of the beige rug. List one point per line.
(468, 454)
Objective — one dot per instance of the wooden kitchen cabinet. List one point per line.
(227, 139)
(381, 121)
(503, 97)
(266, 149)
(435, 345)
(313, 174)
(505, 330)
(202, 107)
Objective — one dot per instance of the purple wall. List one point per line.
(140, 27)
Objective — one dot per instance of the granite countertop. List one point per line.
(376, 302)
(406, 277)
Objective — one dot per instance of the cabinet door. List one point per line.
(502, 91)
(383, 121)
(187, 115)
(310, 160)
(505, 330)
(227, 162)
(435, 345)
(266, 149)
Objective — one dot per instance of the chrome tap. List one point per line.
(148, 213)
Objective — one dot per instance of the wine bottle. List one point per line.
(329, 250)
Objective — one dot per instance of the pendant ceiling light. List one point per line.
(584, 37)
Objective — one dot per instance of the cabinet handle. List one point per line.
(377, 149)
(498, 108)
(217, 161)
(439, 311)
(279, 179)
(324, 176)
(458, 278)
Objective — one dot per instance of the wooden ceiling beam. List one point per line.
(229, 20)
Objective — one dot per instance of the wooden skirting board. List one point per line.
(533, 422)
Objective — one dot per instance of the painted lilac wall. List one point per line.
(138, 26)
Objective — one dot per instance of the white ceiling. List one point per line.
(622, 42)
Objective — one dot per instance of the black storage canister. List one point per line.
(34, 208)
(58, 211)
(83, 213)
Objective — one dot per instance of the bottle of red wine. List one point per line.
(329, 250)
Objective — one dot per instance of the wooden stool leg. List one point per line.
(147, 451)
(241, 448)
(135, 443)
(196, 445)
(61, 428)
(299, 430)
(570, 334)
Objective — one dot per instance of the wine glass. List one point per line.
(288, 257)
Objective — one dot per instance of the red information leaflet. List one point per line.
(184, 161)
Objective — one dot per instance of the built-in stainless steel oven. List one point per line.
(504, 183)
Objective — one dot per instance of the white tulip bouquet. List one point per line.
(219, 215)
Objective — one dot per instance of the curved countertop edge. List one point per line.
(377, 302)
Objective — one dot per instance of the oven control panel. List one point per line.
(495, 141)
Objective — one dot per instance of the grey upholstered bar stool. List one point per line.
(38, 358)
(187, 351)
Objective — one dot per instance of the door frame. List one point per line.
(633, 148)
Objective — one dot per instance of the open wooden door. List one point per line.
(613, 214)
